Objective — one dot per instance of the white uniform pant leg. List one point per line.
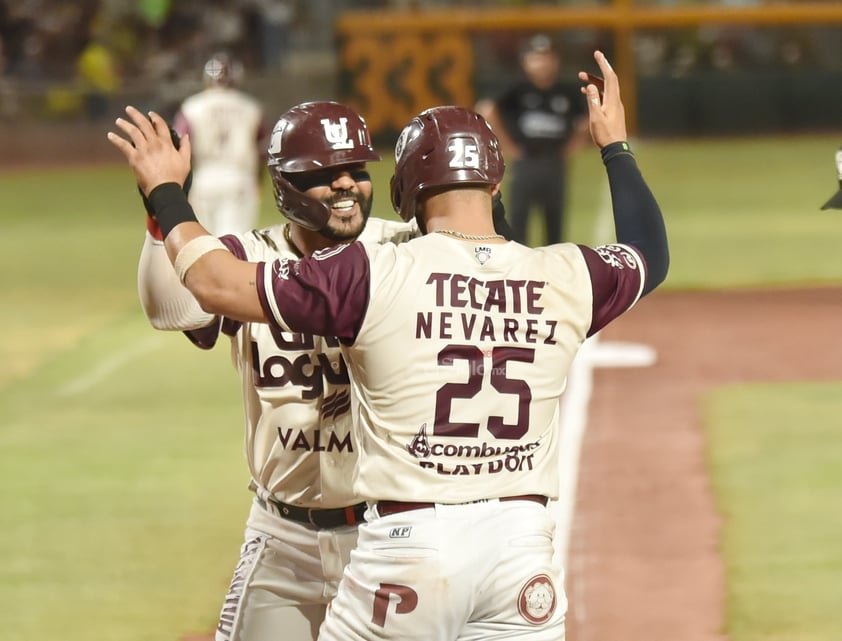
(522, 596)
(225, 202)
(286, 575)
(482, 571)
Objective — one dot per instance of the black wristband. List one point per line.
(615, 149)
(170, 207)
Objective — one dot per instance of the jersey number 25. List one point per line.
(500, 357)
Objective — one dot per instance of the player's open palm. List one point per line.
(150, 150)
(607, 118)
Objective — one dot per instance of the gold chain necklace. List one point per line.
(459, 234)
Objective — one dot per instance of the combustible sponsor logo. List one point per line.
(476, 458)
(420, 445)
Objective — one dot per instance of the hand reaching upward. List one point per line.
(606, 115)
(150, 150)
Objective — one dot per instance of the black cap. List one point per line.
(539, 43)
(835, 201)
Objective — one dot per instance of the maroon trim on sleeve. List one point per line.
(235, 246)
(230, 327)
(325, 294)
(181, 124)
(616, 279)
(204, 337)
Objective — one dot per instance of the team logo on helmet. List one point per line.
(275, 140)
(537, 600)
(400, 145)
(336, 133)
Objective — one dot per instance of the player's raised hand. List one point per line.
(150, 150)
(607, 118)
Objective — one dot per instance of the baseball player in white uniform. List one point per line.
(458, 344)
(227, 130)
(298, 445)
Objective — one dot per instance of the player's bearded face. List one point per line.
(349, 198)
(344, 223)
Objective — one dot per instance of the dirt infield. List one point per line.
(644, 560)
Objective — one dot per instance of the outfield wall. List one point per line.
(684, 69)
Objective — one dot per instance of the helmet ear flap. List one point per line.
(301, 209)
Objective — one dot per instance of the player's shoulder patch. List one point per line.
(619, 256)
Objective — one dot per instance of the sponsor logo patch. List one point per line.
(420, 446)
(400, 532)
(482, 254)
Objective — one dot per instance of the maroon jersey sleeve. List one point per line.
(325, 294)
(617, 277)
(235, 246)
(181, 124)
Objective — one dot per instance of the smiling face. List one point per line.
(346, 190)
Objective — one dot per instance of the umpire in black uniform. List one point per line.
(539, 121)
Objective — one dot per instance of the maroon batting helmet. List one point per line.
(222, 69)
(443, 146)
(314, 136)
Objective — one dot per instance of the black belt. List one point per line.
(326, 519)
(385, 508)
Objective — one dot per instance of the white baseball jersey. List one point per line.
(226, 132)
(458, 353)
(296, 394)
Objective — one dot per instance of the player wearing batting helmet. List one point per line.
(458, 344)
(296, 393)
(228, 136)
(835, 201)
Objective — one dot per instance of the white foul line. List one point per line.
(573, 420)
(573, 412)
(104, 368)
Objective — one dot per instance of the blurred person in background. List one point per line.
(539, 120)
(99, 76)
(835, 201)
(228, 136)
(9, 106)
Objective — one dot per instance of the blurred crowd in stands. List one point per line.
(62, 59)
(76, 55)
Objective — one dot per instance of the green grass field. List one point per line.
(121, 474)
(774, 454)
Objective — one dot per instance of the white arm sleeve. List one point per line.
(166, 302)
